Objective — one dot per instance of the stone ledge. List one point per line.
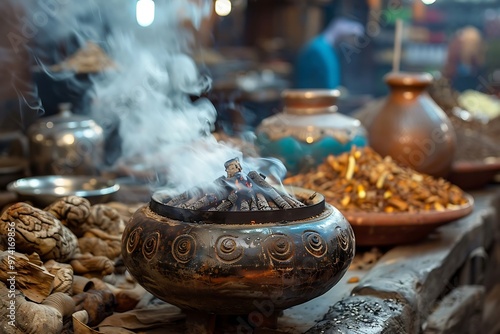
(458, 312)
(491, 319)
(415, 276)
(365, 314)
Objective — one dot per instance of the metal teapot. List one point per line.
(66, 144)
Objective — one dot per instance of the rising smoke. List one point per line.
(151, 99)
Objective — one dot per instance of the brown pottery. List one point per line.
(237, 262)
(383, 229)
(411, 128)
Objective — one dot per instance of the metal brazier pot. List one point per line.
(232, 261)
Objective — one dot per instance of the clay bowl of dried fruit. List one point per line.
(474, 174)
(385, 203)
(384, 228)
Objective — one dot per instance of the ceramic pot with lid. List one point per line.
(66, 144)
(308, 130)
(411, 128)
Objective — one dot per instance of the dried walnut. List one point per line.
(106, 219)
(72, 211)
(39, 231)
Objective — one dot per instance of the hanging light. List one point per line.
(222, 7)
(428, 2)
(145, 12)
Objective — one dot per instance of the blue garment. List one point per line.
(317, 66)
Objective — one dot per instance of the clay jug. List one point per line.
(411, 128)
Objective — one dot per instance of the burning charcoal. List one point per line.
(294, 203)
(272, 205)
(233, 167)
(226, 205)
(281, 202)
(269, 190)
(232, 198)
(189, 197)
(244, 206)
(176, 200)
(259, 179)
(205, 201)
(236, 191)
(309, 200)
(189, 203)
(253, 204)
(262, 202)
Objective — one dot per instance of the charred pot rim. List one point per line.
(315, 205)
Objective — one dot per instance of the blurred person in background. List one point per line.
(318, 64)
(465, 60)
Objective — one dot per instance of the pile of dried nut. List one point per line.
(362, 180)
(69, 276)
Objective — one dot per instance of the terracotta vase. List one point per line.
(411, 128)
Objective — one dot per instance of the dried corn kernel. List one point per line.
(417, 177)
(361, 192)
(350, 168)
(380, 181)
(345, 201)
(438, 206)
(389, 209)
(396, 202)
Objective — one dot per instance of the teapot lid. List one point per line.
(65, 119)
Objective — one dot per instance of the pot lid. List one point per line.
(310, 101)
(65, 119)
(408, 79)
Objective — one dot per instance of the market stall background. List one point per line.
(172, 88)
